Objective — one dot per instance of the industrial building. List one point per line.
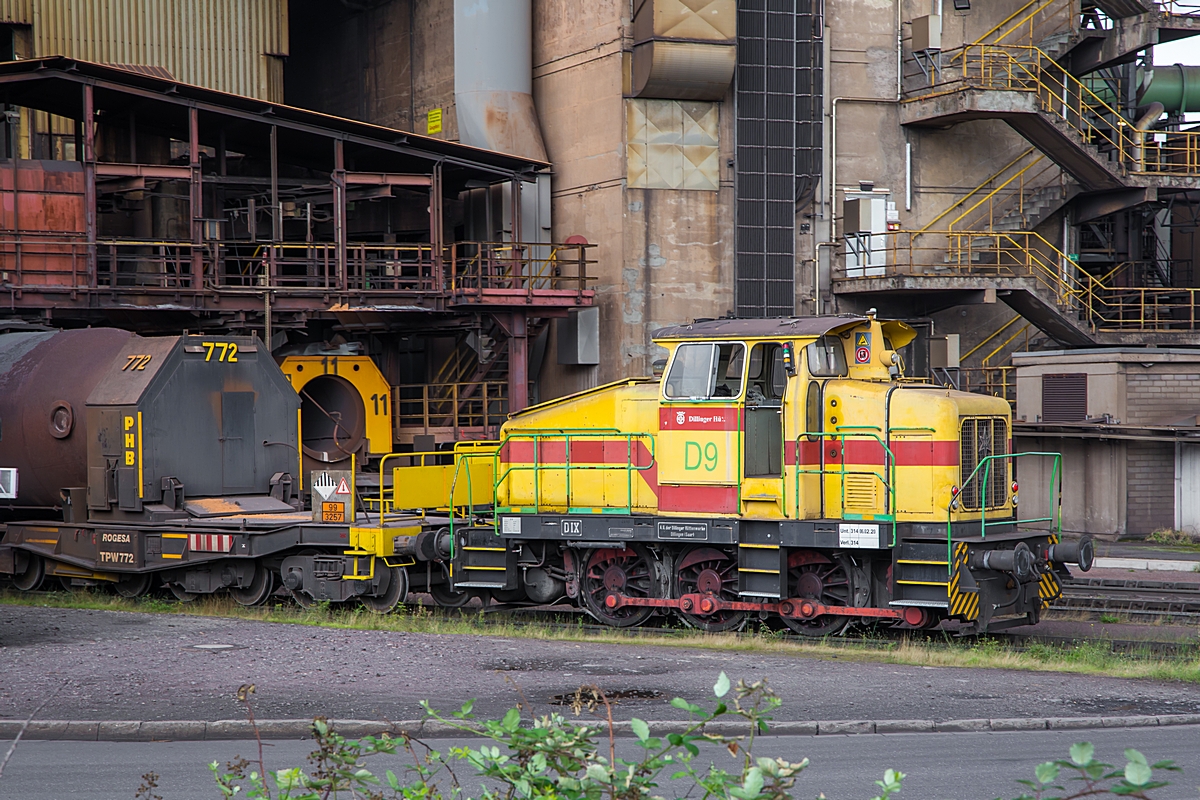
(1011, 174)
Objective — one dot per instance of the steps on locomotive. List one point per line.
(483, 560)
(920, 575)
(762, 570)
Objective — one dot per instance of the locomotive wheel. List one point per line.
(706, 570)
(181, 594)
(818, 577)
(446, 597)
(132, 586)
(260, 588)
(504, 596)
(609, 571)
(31, 578)
(393, 593)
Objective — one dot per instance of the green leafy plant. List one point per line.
(551, 756)
(1089, 778)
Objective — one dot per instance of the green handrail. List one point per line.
(985, 463)
(842, 433)
(567, 436)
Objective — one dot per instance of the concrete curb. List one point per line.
(240, 729)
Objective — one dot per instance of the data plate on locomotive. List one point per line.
(863, 536)
(683, 531)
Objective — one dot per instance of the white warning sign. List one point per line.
(333, 497)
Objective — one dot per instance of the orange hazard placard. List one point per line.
(333, 512)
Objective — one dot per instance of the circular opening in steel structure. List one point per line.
(332, 418)
(62, 419)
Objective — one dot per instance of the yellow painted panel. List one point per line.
(430, 486)
(361, 373)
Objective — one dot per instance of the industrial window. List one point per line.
(827, 358)
(1064, 397)
(705, 372)
(672, 145)
(779, 111)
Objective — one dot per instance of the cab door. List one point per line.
(700, 429)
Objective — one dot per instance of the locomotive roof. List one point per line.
(757, 328)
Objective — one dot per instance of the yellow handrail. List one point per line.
(978, 188)
(988, 338)
(987, 197)
(1026, 68)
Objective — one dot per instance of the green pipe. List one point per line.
(1176, 86)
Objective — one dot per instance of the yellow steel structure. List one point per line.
(367, 382)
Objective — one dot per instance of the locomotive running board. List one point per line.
(797, 608)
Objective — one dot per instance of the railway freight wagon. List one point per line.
(171, 461)
(778, 468)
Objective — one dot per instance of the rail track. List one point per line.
(1131, 597)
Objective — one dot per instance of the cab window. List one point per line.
(705, 371)
(766, 378)
(827, 358)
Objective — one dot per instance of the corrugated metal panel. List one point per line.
(227, 45)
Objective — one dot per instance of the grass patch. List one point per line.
(1174, 538)
(1089, 657)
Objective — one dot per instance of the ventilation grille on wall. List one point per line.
(1064, 397)
(779, 109)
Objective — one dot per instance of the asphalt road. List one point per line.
(121, 666)
(940, 766)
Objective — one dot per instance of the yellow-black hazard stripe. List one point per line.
(962, 604)
(1049, 588)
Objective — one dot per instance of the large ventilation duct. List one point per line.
(1177, 87)
(684, 50)
(493, 77)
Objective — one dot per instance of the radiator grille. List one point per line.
(860, 492)
(981, 437)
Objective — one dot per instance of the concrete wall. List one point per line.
(389, 63)
(665, 255)
(1113, 486)
(1093, 483)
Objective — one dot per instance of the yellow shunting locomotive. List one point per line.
(778, 468)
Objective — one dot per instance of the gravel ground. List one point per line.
(111, 665)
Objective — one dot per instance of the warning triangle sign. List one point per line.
(862, 340)
(343, 488)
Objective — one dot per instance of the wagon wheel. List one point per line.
(31, 577)
(827, 580)
(610, 571)
(706, 570)
(394, 590)
(181, 594)
(260, 588)
(132, 586)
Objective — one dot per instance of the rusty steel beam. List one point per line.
(195, 196)
(89, 180)
(386, 179)
(518, 362)
(339, 210)
(156, 171)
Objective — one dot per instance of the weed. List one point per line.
(1174, 538)
(1109, 619)
(1085, 657)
